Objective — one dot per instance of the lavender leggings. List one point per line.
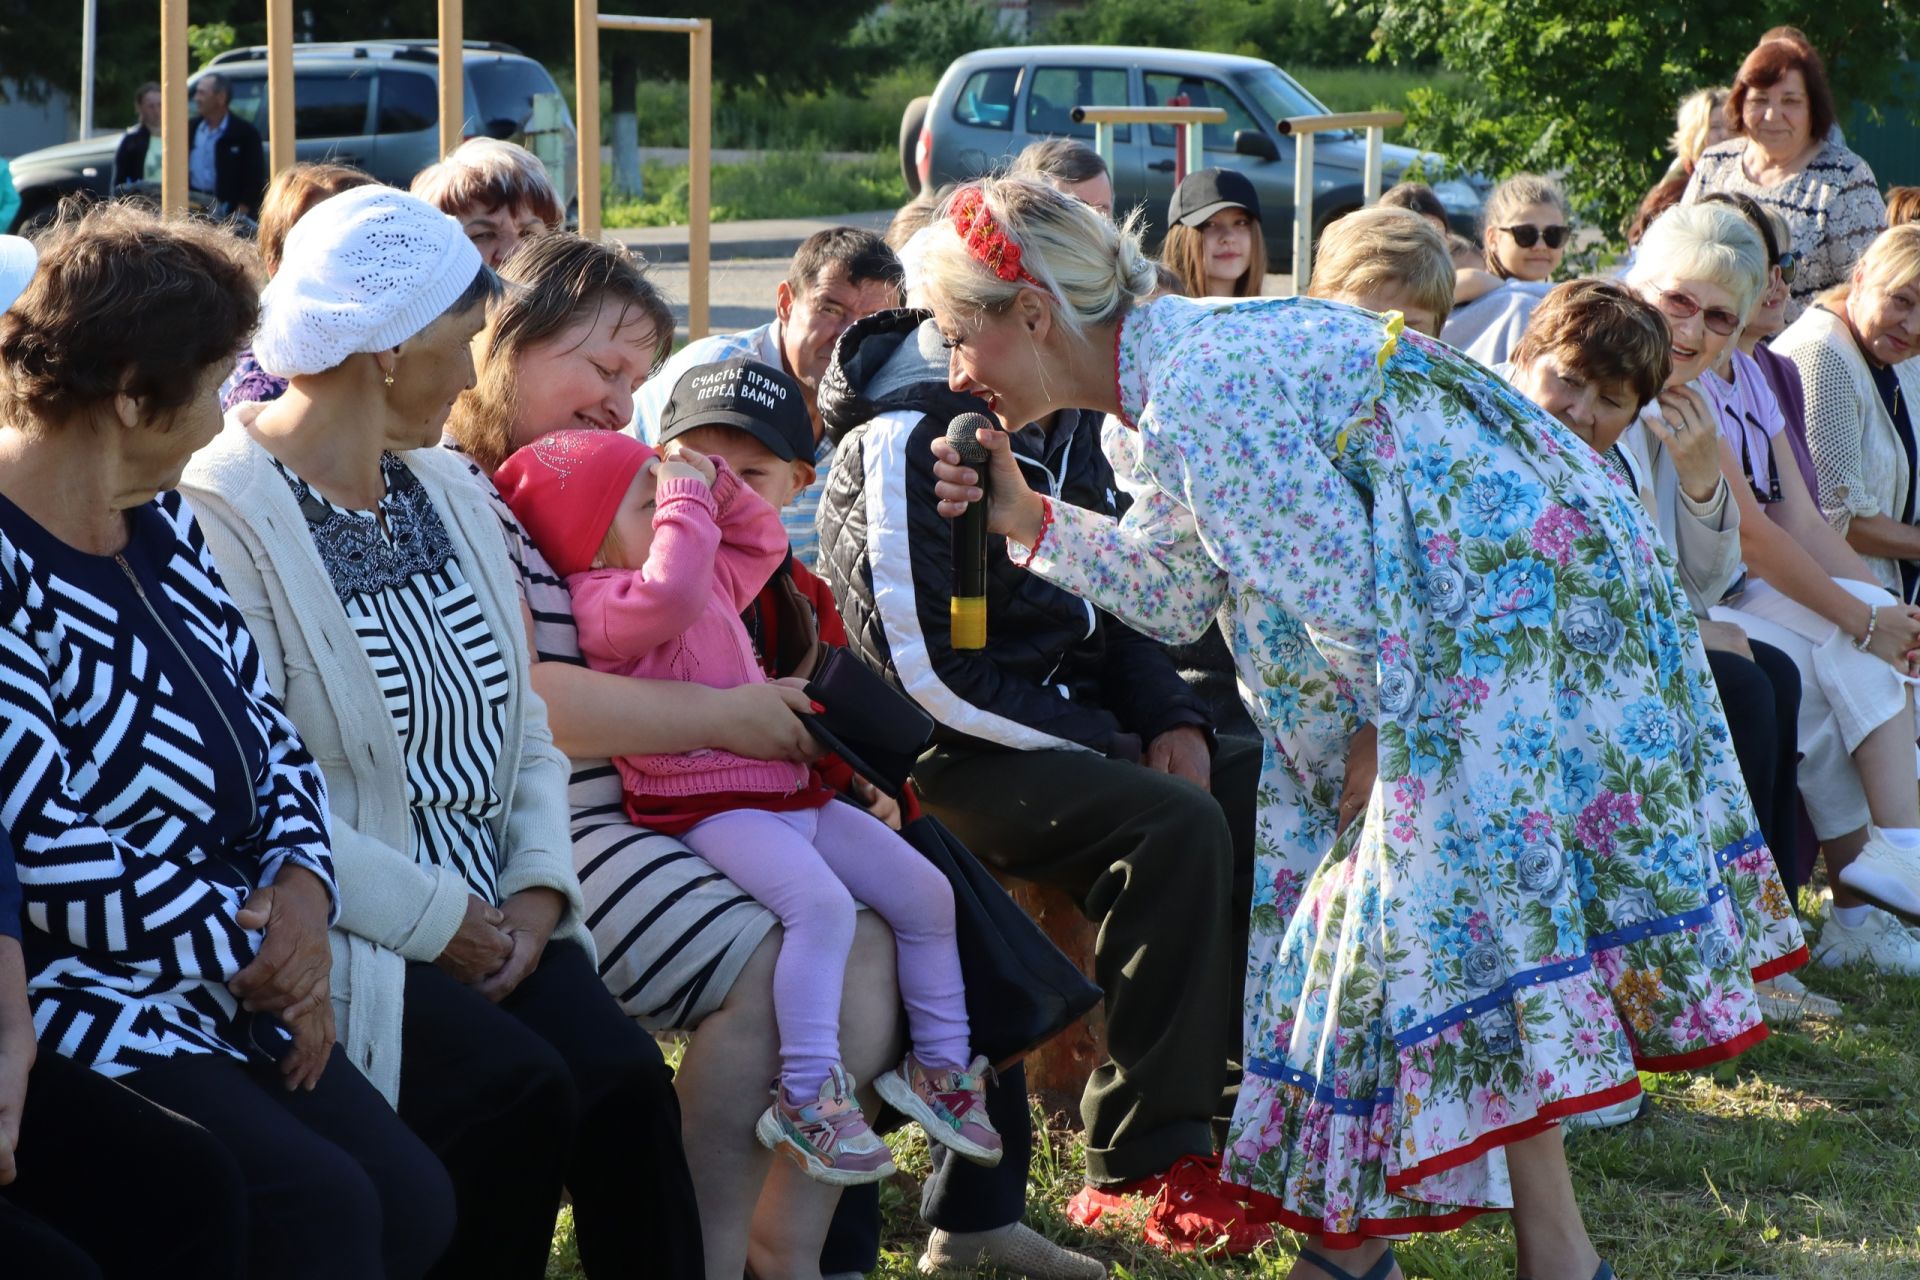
(807, 867)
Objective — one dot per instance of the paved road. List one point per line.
(742, 291)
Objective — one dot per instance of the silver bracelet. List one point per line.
(1873, 616)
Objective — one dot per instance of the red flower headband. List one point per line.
(984, 239)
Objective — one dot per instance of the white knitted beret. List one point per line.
(361, 271)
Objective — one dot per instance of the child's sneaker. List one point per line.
(950, 1105)
(829, 1139)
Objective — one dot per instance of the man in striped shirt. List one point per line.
(839, 275)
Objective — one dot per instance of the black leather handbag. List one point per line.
(1021, 989)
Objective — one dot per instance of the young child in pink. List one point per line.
(661, 556)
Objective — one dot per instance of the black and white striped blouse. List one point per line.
(150, 783)
(439, 669)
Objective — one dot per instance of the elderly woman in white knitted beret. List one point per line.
(375, 576)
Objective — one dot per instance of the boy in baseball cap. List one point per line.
(751, 414)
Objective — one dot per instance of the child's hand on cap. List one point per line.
(686, 463)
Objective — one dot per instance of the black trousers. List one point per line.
(1167, 871)
(1762, 702)
(111, 1185)
(553, 1087)
(335, 1187)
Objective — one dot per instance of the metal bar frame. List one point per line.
(453, 77)
(174, 143)
(1192, 143)
(1302, 130)
(588, 22)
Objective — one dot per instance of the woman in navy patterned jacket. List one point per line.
(169, 828)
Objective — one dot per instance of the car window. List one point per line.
(506, 88)
(1278, 96)
(331, 104)
(409, 102)
(1057, 91)
(986, 99)
(247, 99)
(1163, 90)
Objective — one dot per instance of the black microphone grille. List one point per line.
(962, 435)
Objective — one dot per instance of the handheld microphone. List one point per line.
(968, 607)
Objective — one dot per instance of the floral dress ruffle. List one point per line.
(1558, 879)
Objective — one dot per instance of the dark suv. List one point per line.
(374, 104)
(992, 102)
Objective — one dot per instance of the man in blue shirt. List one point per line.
(227, 157)
(838, 276)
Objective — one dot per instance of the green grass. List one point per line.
(1798, 1161)
(783, 184)
(834, 121)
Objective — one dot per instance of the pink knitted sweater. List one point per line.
(677, 617)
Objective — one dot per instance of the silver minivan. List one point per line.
(993, 102)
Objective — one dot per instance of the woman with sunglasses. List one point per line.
(1785, 156)
(1805, 592)
(1525, 228)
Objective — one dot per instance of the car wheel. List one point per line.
(911, 121)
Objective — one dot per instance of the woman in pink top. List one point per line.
(660, 558)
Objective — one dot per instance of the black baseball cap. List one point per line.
(757, 398)
(1205, 192)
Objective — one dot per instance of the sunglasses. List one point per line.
(1789, 264)
(1526, 235)
(1681, 307)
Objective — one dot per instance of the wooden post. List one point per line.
(586, 112)
(453, 77)
(280, 129)
(1376, 137)
(174, 140)
(1103, 143)
(1302, 213)
(1193, 142)
(699, 174)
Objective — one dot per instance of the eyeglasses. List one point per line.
(1789, 264)
(1681, 307)
(1526, 235)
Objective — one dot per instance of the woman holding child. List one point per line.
(372, 572)
(1558, 879)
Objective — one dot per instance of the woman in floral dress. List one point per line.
(1556, 878)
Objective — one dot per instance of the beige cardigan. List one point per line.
(392, 909)
(1856, 448)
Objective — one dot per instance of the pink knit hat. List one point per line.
(564, 489)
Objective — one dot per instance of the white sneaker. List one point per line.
(1885, 875)
(1880, 943)
(1784, 1000)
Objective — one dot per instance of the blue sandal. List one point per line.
(1378, 1271)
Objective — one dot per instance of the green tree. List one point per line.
(1587, 88)
(928, 34)
(1286, 32)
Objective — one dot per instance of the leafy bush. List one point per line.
(862, 118)
(782, 184)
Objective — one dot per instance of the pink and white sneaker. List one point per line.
(829, 1139)
(950, 1105)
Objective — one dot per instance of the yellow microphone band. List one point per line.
(969, 622)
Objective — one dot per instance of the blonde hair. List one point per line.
(1508, 199)
(485, 174)
(1892, 261)
(1384, 247)
(1694, 122)
(1090, 269)
(1710, 242)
